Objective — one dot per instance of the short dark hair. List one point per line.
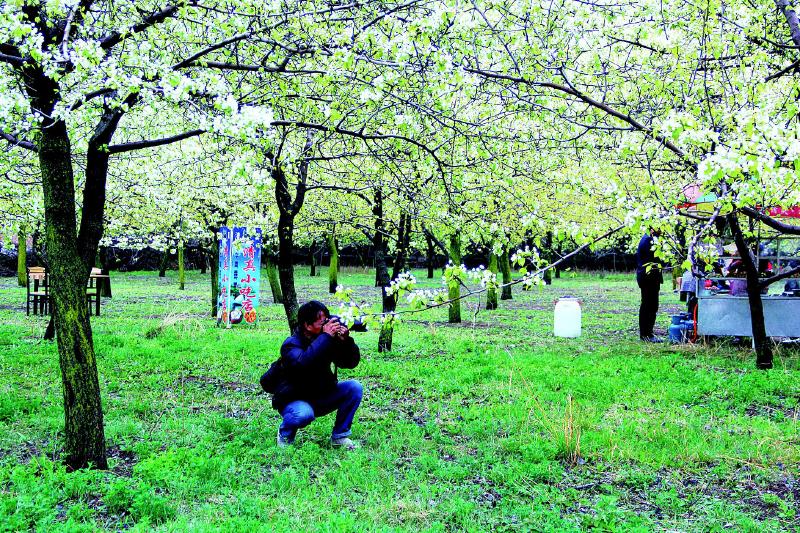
(309, 311)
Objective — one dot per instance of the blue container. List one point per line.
(676, 333)
(687, 327)
(676, 319)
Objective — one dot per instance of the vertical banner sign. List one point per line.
(223, 298)
(239, 275)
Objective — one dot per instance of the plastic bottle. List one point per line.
(567, 317)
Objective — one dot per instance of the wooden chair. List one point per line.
(94, 291)
(37, 291)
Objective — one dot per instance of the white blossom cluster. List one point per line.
(405, 282)
(483, 276)
(422, 298)
(530, 280)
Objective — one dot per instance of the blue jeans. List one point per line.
(344, 400)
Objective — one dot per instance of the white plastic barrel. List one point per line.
(567, 318)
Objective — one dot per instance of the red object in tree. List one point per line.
(788, 212)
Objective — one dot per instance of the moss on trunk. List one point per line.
(162, 268)
(68, 274)
(491, 293)
(333, 269)
(274, 282)
(181, 267)
(453, 287)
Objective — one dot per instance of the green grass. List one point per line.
(491, 425)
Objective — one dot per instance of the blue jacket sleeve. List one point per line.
(347, 353)
(319, 351)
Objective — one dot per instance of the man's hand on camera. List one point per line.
(331, 327)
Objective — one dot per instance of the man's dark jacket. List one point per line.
(644, 258)
(306, 367)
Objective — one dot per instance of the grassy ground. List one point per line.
(493, 424)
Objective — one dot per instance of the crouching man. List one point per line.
(308, 386)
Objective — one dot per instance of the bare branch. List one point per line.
(771, 222)
(516, 282)
(17, 142)
(258, 68)
(766, 282)
(88, 96)
(358, 134)
(139, 145)
(638, 126)
(783, 71)
(191, 59)
(116, 37)
(12, 60)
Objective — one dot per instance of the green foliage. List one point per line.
(462, 427)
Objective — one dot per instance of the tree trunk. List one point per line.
(760, 340)
(37, 255)
(403, 242)
(792, 21)
(162, 269)
(288, 209)
(454, 287)
(286, 269)
(505, 268)
(431, 255)
(214, 268)
(68, 275)
(22, 253)
(491, 293)
(388, 302)
(103, 264)
(548, 255)
(181, 267)
(557, 253)
(333, 269)
(312, 258)
(274, 282)
(204, 254)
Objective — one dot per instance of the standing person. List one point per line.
(689, 290)
(649, 279)
(308, 388)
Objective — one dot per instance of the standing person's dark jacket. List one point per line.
(645, 257)
(307, 372)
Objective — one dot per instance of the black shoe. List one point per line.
(652, 338)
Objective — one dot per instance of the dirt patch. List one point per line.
(762, 495)
(226, 410)
(125, 461)
(468, 324)
(778, 410)
(216, 383)
(27, 451)
(408, 401)
(488, 494)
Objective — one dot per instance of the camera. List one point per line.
(358, 325)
